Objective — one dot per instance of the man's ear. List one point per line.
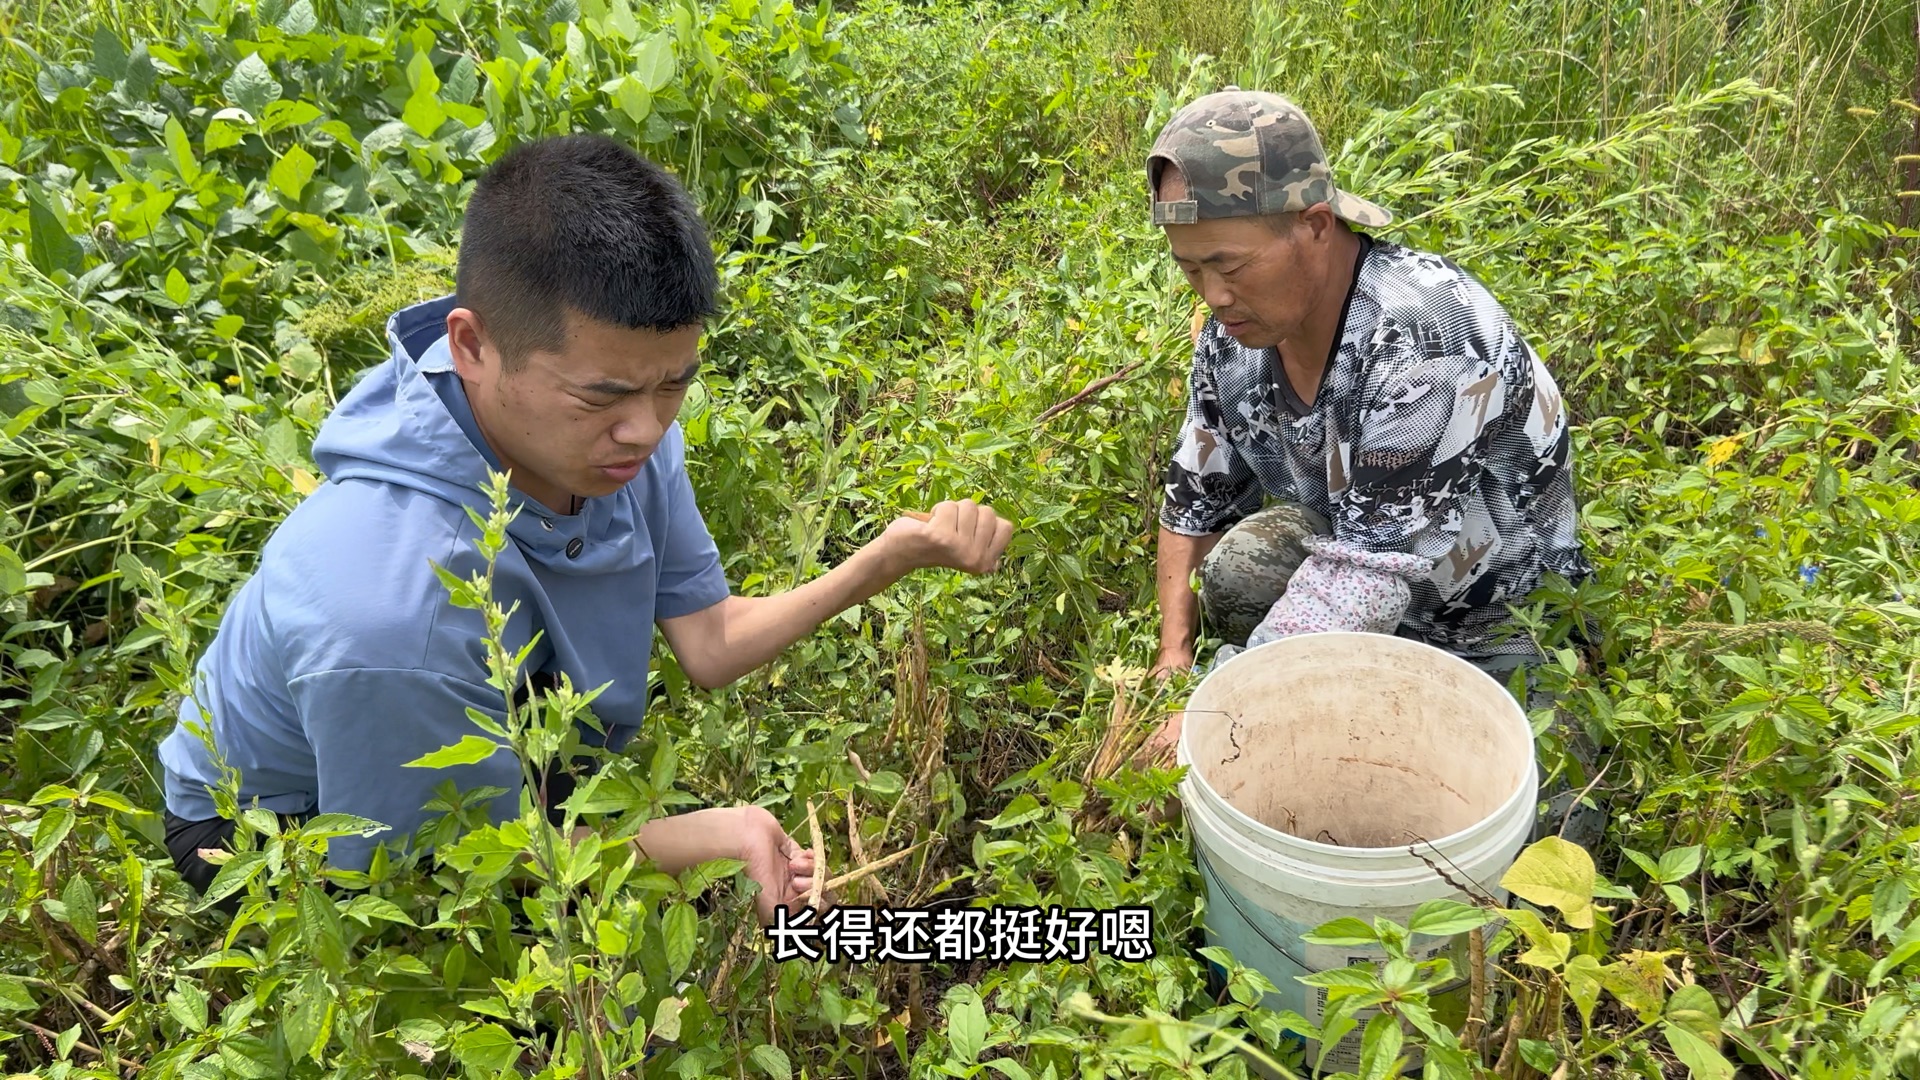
(467, 341)
(1319, 221)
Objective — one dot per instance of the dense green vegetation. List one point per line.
(933, 225)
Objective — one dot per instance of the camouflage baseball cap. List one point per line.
(1246, 152)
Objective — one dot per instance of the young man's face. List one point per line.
(581, 420)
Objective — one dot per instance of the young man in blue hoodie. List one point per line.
(584, 281)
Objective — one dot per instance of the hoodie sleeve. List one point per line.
(365, 724)
(691, 578)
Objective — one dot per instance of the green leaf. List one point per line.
(1750, 670)
(290, 174)
(772, 1061)
(109, 56)
(681, 929)
(1582, 975)
(251, 86)
(468, 751)
(1380, 1048)
(666, 1018)
(1346, 930)
(14, 996)
(1702, 1060)
(320, 926)
(1440, 918)
(967, 1029)
(1693, 1008)
(1717, 341)
(178, 290)
(49, 246)
(180, 149)
(232, 876)
(633, 99)
(83, 908)
(299, 19)
(653, 62)
(187, 1004)
(463, 81)
(1679, 864)
(53, 828)
(486, 1046)
(1558, 874)
(13, 572)
(286, 114)
(1890, 901)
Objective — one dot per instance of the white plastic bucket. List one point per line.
(1328, 775)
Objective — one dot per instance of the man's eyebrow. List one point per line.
(616, 387)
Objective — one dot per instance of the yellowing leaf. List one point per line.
(303, 481)
(1558, 874)
(1723, 449)
(1717, 341)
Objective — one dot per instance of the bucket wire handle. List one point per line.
(1206, 867)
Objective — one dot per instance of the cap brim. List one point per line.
(1349, 207)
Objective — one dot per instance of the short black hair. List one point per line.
(582, 223)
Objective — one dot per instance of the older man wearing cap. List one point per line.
(1414, 448)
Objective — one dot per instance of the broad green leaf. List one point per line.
(486, 1046)
(54, 826)
(187, 1004)
(1890, 901)
(49, 246)
(1558, 874)
(320, 926)
(1009, 1068)
(251, 86)
(233, 876)
(1716, 341)
(469, 750)
(666, 1018)
(967, 1029)
(287, 114)
(1440, 918)
(178, 290)
(299, 19)
(290, 174)
(1702, 1060)
(1346, 930)
(681, 929)
(423, 113)
(462, 82)
(653, 62)
(633, 99)
(13, 572)
(220, 135)
(109, 56)
(376, 907)
(773, 1061)
(1582, 975)
(180, 149)
(14, 996)
(1380, 1048)
(1680, 863)
(83, 908)
(1693, 1008)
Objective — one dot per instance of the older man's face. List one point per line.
(1262, 285)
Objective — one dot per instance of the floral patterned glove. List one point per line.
(1342, 587)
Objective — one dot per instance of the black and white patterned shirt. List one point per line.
(1436, 432)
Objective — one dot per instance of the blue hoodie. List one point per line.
(342, 658)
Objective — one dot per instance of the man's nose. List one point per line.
(640, 428)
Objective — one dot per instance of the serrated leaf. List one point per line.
(187, 1004)
(290, 174)
(232, 877)
(83, 908)
(469, 750)
(773, 1061)
(1558, 874)
(680, 928)
(320, 926)
(251, 86)
(653, 62)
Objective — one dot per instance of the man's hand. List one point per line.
(783, 869)
(1164, 742)
(961, 535)
(1173, 660)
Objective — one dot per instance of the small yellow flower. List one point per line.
(233, 380)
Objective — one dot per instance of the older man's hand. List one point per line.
(958, 535)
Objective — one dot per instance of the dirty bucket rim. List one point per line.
(1183, 757)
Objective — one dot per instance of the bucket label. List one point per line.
(1345, 1057)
